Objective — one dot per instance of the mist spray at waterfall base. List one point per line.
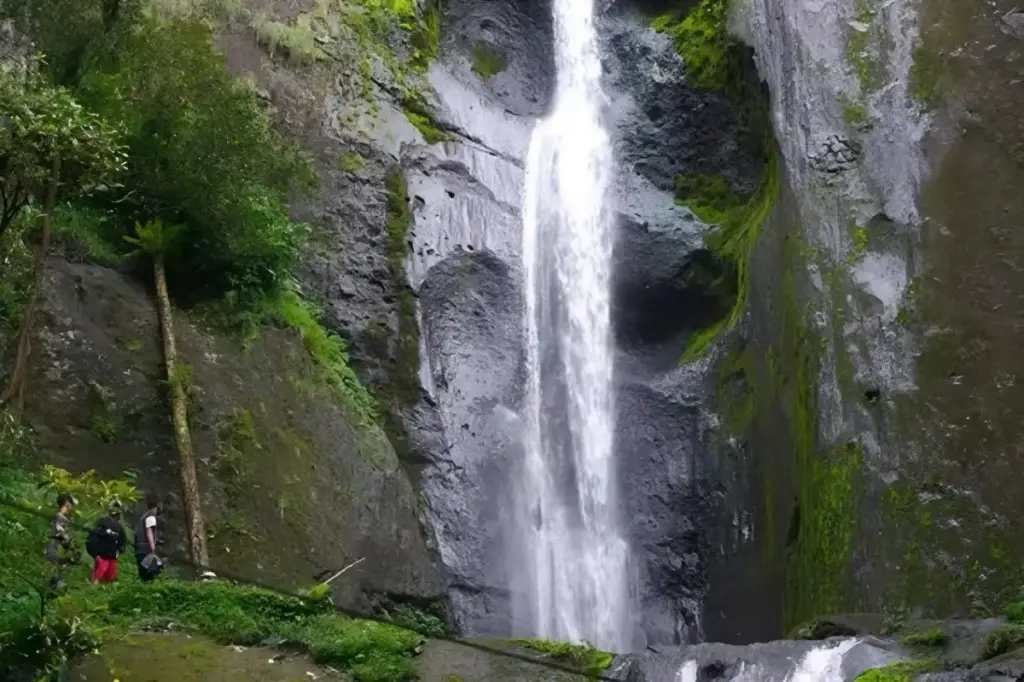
(572, 577)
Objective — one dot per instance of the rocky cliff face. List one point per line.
(875, 398)
(293, 486)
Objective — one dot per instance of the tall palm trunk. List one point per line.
(16, 387)
(179, 413)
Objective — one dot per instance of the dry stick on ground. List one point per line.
(16, 388)
(179, 414)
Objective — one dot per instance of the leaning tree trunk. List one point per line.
(16, 387)
(179, 413)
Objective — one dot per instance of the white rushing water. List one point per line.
(572, 562)
(820, 664)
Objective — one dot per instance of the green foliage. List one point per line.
(104, 428)
(703, 42)
(854, 113)
(585, 657)
(88, 233)
(417, 620)
(487, 62)
(74, 34)
(352, 161)
(734, 240)
(930, 637)
(17, 265)
(1005, 638)
(238, 443)
(1014, 612)
(900, 671)
(858, 47)
(710, 197)
(405, 377)
(860, 238)
(327, 349)
(202, 154)
(154, 237)
(234, 614)
(420, 116)
(297, 41)
(94, 495)
(43, 123)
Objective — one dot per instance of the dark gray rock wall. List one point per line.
(292, 486)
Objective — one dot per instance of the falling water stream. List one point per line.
(574, 560)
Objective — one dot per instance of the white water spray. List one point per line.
(574, 570)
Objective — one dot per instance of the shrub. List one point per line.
(1004, 639)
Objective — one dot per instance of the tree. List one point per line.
(50, 148)
(203, 154)
(156, 240)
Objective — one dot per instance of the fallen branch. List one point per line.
(328, 581)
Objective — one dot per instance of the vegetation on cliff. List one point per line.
(201, 154)
(703, 42)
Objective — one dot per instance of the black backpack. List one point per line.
(103, 540)
(94, 542)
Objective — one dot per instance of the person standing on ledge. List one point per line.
(146, 540)
(105, 543)
(60, 550)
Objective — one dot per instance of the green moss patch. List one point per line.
(900, 671)
(739, 225)
(232, 614)
(487, 62)
(933, 637)
(352, 161)
(703, 42)
(584, 657)
(420, 116)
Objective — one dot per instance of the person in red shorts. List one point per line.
(105, 542)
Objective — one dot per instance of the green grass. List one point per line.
(328, 351)
(926, 638)
(584, 657)
(900, 671)
(1006, 638)
(235, 614)
(487, 62)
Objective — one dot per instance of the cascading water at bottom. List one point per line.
(570, 563)
(820, 664)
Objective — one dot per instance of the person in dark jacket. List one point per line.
(106, 542)
(147, 540)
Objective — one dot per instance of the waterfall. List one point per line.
(572, 563)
